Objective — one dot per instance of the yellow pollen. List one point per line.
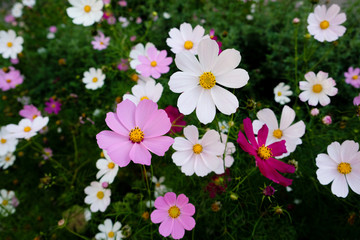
(317, 88)
(174, 212)
(3, 141)
(102, 154)
(344, 168)
(100, 195)
(95, 79)
(207, 80)
(264, 152)
(111, 234)
(144, 97)
(324, 24)
(8, 80)
(136, 135)
(279, 93)
(9, 44)
(188, 45)
(87, 8)
(197, 148)
(153, 63)
(277, 133)
(135, 77)
(355, 77)
(157, 185)
(5, 202)
(111, 165)
(27, 129)
(7, 159)
(101, 43)
(35, 116)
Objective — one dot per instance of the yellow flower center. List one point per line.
(344, 168)
(101, 43)
(3, 141)
(277, 133)
(35, 116)
(317, 88)
(324, 24)
(197, 148)
(111, 234)
(111, 165)
(355, 77)
(8, 80)
(153, 63)
(27, 129)
(157, 184)
(7, 158)
(279, 94)
(53, 105)
(264, 152)
(87, 8)
(174, 212)
(5, 202)
(136, 135)
(9, 44)
(207, 80)
(188, 45)
(144, 97)
(95, 79)
(100, 195)
(135, 77)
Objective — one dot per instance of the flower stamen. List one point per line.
(317, 88)
(277, 133)
(174, 212)
(324, 24)
(188, 45)
(207, 80)
(264, 152)
(197, 148)
(344, 168)
(136, 135)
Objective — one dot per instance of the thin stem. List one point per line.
(149, 192)
(75, 233)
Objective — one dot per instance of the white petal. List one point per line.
(187, 62)
(192, 134)
(236, 78)
(224, 100)
(228, 60)
(354, 182)
(205, 109)
(339, 186)
(188, 100)
(181, 81)
(325, 176)
(334, 151)
(268, 117)
(208, 52)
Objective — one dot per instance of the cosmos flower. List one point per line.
(52, 106)
(85, 12)
(352, 77)
(154, 64)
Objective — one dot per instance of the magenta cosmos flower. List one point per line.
(136, 130)
(176, 118)
(174, 214)
(10, 79)
(353, 77)
(52, 106)
(100, 42)
(264, 155)
(154, 64)
(30, 112)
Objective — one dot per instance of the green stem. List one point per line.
(240, 182)
(149, 192)
(75, 233)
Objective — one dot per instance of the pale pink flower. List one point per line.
(314, 112)
(353, 77)
(356, 100)
(100, 42)
(327, 120)
(30, 112)
(122, 3)
(10, 79)
(154, 64)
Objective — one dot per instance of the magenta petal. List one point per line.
(158, 145)
(143, 111)
(245, 145)
(248, 128)
(178, 230)
(160, 203)
(170, 198)
(158, 124)
(272, 174)
(139, 154)
(262, 135)
(166, 227)
(182, 200)
(114, 124)
(125, 112)
(278, 148)
(158, 216)
(188, 209)
(281, 166)
(107, 138)
(187, 222)
(119, 153)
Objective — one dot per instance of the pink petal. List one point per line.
(107, 138)
(272, 174)
(145, 70)
(158, 123)
(170, 198)
(139, 154)
(144, 60)
(263, 134)
(160, 203)
(154, 72)
(114, 124)
(250, 132)
(187, 222)
(143, 111)
(281, 166)
(181, 200)
(125, 112)
(278, 148)
(158, 216)
(119, 153)
(166, 227)
(188, 210)
(152, 53)
(158, 145)
(245, 145)
(178, 230)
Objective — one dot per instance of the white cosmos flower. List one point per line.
(10, 44)
(341, 166)
(324, 24)
(7, 144)
(287, 131)
(97, 196)
(143, 80)
(282, 92)
(317, 88)
(16, 10)
(108, 231)
(151, 90)
(6, 202)
(198, 81)
(223, 126)
(160, 188)
(139, 50)
(93, 79)
(229, 150)
(199, 156)
(29, 3)
(27, 128)
(85, 12)
(185, 39)
(107, 169)
(7, 160)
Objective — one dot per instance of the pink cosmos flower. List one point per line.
(100, 42)
(123, 65)
(52, 106)
(30, 112)
(133, 38)
(314, 112)
(53, 29)
(327, 120)
(176, 118)
(174, 214)
(213, 37)
(122, 3)
(353, 77)
(14, 61)
(10, 79)
(47, 153)
(264, 155)
(356, 100)
(136, 130)
(154, 64)
(9, 18)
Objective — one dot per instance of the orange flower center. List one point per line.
(9, 44)
(207, 80)
(95, 79)
(264, 152)
(174, 212)
(197, 148)
(317, 88)
(188, 45)
(277, 133)
(27, 129)
(355, 77)
(344, 168)
(87, 8)
(153, 64)
(324, 24)
(111, 165)
(3, 141)
(111, 234)
(100, 195)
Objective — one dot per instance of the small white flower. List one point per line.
(150, 90)
(341, 166)
(229, 150)
(97, 196)
(16, 10)
(107, 169)
(27, 128)
(224, 126)
(281, 92)
(249, 17)
(138, 50)
(108, 231)
(85, 12)
(25, 100)
(29, 3)
(6, 202)
(166, 15)
(50, 35)
(160, 188)
(199, 156)
(317, 88)
(143, 80)
(87, 214)
(324, 24)
(10, 44)
(7, 160)
(7, 144)
(93, 79)
(290, 133)
(124, 22)
(185, 39)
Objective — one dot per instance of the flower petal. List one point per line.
(178, 230)
(208, 53)
(225, 101)
(236, 78)
(166, 227)
(158, 216)
(187, 62)
(228, 60)
(205, 109)
(158, 145)
(139, 154)
(144, 110)
(125, 112)
(339, 186)
(188, 100)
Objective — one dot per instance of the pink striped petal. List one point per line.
(170, 198)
